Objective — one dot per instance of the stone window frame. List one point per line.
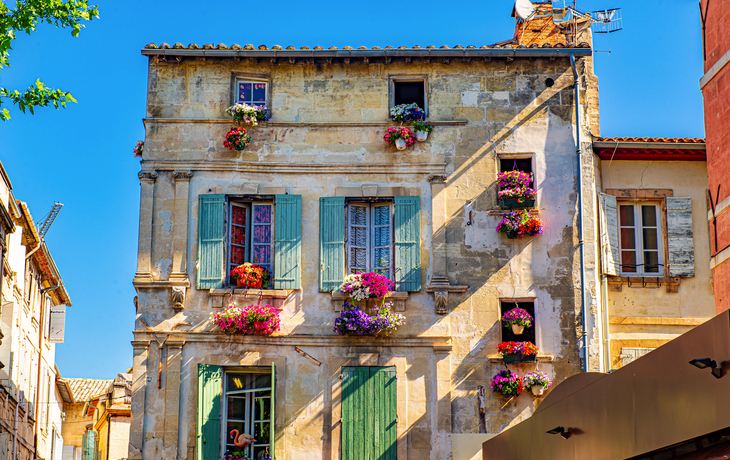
(518, 300)
(638, 228)
(407, 78)
(369, 204)
(248, 76)
(518, 156)
(248, 202)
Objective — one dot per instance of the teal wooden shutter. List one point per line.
(331, 243)
(88, 443)
(288, 242)
(407, 243)
(210, 386)
(369, 413)
(211, 237)
(272, 430)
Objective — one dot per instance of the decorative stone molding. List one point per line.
(148, 175)
(182, 175)
(177, 297)
(436, 178)
(398, 298)
(540, 359)
(441, 288)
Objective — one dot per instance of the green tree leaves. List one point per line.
(25, 17)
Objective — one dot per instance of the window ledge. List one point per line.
(397, 297)
(275, 297)
(499, 212)
(615, 283)
(540, 359)
(284, 124)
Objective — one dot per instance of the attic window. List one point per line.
(515, 164)
(409, 92)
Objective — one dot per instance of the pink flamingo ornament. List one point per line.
(243, 440)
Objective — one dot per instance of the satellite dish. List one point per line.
(524, 8)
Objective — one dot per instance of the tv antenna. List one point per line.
(48, 220)
(602, 21)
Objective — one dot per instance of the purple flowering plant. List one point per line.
(515, 185)
(507, 383)
(235, 456)
(537, 378)
(517, 224)
(354, 321)
(518, 317)
(370, 285)
(407, 112)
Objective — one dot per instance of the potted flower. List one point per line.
(517, 224)
(422, 129)
(249, 114)
(250, 320)
(354, 321)
(507, 383)
(407, 112)
(537, 382)
(237, 138)
(518, 319)
(235, 456)
(138, 149)
(250, 275)
(514, 190)
(518, 352)
(401, 137)
(362, 286)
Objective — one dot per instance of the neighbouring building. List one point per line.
(315, 187)
(76, 393)
(34, 301)
(112, 415)
(715, 86)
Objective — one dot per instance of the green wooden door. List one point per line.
(369, 416)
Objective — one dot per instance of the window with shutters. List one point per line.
(640, 239)
(251, 235)
(370, 238)
(265, 230)
(247, 414)
(380, 235)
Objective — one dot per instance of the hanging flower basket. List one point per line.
(355, 322)
(407, 112)
(518, 319)
(237, 138)
(422, 129)
(515, 191)
(519, 224)
(250, 275)
(507, 383)
(518, 352)
(138, 149)
(401, 137)
(537, 382)
(248, 114)
(250, 320)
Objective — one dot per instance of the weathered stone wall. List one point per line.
(504, 107)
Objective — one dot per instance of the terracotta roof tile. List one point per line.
(250, 47)
(676, 140)
(83, 389)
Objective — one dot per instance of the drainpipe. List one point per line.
(15, 431)
(584, 312)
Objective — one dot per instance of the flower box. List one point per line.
(518, 352)
(244, 284)
(514, 203)
(517, 358)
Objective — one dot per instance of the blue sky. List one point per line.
(82, 156)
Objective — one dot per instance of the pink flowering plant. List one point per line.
(249, 114)
(355, 322)
(515, 185)
(537, 378)
(400, 132)
(370, 285)
(507, 383)
(251, 320)
(138, 149)
(517, 317)
(517, 224)
(235, 456)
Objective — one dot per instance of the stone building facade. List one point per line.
(492, 108)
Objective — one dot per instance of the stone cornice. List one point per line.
(277, 124)
(293, 168)
(440, 342)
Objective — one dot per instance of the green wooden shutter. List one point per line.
(369, 413)
(288, 242)
(211, 237)
(272, 429)
(407, 243)
(210, 386)
(88, 443)
(331, 242)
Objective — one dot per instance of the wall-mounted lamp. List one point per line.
(703, 363)
(565, 434)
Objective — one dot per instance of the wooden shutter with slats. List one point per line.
(331, 243)
(288, 242)
(407, 243)
(211, 241)
(680, 240)
(610, 252)
(210, 386)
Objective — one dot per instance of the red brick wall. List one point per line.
(717, 129)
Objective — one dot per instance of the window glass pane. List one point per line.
(408, 92)
(238, 215)
(262, 214)
(262, 408)
(261, 452)
(261, 432)
(628, 238)
(381, 215)
(238, 235)
(259, 92)
(516, 164)
(230, 426)
(382, 257)
(358, 215)
(236, 408)
(626, 215)
(648, 216)
(382, 236)
(262, 234)
(244, 92)
(238, 255)
(261, 254)
(628, 261)
(651, 261)
(242, 381)
(358, 258)
(650, 238)
(358, 236)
